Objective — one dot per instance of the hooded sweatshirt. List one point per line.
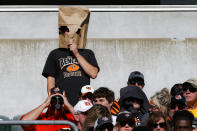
(135, 93)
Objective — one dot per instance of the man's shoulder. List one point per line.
(59, 50)
(85, 50)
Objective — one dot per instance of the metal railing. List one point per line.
(40, 122)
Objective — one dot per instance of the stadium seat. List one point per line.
(16, 127)
(4, 127)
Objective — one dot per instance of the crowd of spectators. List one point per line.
(98, 110)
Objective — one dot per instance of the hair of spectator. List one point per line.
(154, 117)
(105, 93)
(95, 112)
(183, 115)
(161, 100)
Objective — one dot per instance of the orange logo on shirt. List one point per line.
(87, 104)
(73, 67)
(88, 88)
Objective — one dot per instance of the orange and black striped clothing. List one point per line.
(115, 108)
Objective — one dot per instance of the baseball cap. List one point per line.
(176, 89)
(125, 116)
(178, 99)
(192, 82)
(82, 106)
(103, 122)
(136, 74)
(86, 89)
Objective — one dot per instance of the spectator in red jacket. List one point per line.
(58, 108)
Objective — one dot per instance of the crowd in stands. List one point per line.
(97, 110)
(68, 70)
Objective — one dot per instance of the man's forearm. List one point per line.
(91, 70)
(50, 84)
(34, 114)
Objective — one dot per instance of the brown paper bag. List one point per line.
(74, 21)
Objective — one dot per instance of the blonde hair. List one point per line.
(161, 99)
(95, 112)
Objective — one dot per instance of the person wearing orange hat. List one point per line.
(87, 93)
(80, 111)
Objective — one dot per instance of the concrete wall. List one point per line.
(43, 25)
(163, 62)
(122, 42)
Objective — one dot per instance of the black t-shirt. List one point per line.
(69, 75)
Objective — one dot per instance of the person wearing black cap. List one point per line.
(136, 78)
(125, 121)
(58, 108)
(177, 103)
(132, 100)
(176, 89)
(103, 123)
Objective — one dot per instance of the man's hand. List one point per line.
(67, 105)
(48, 100)
(73, 48)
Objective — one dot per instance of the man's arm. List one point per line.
(34, 114)
(91, 70)
(67, 105)
(50, 84)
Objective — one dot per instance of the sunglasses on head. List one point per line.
(180, 106)
(130, 123)
(162, 125)
(191, 89)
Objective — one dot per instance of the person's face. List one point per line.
(190, 94)
(106, 127)
(153, 108)
(132, 102)
(88, 97)
(136, 104)
(82, 117)
(56, 103)
(103, 101)
(160, 125)
(103, 130)
(183, 125)
(176, 107)
(125, 128)
(137, 82)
